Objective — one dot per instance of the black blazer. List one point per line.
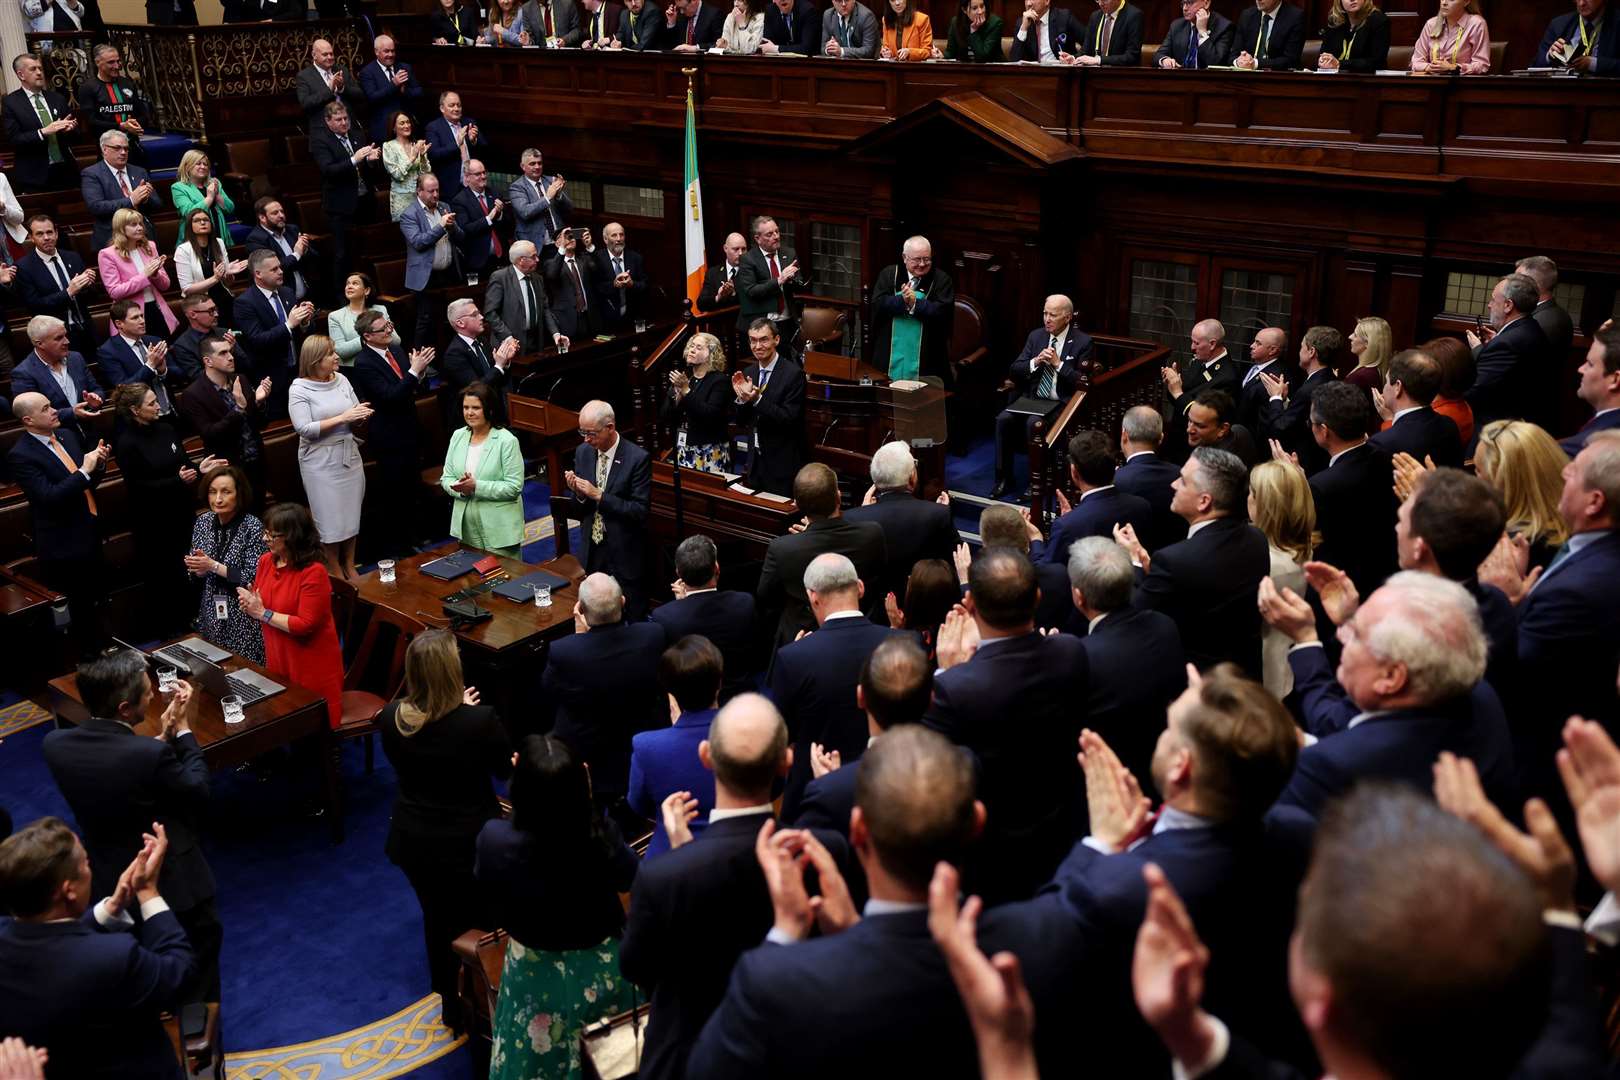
(163, 13)
(1207, 583)
(444, 794)
(705, 410)
(1369, 46)
(1506, 370)
(1137, 670)
(643, 31)
(708, 298)
(1124, 43)
(219, 425)
(1064, 34)
(118, 783)
(1421, 433)
(571, 322)
(314, 96)
(635, 297)
(707, 32)
(465, 26)
(341, 179)
(781, 594)
(42, 292)
(913, 529)
(392, 432)
(463, 366)
(1252, 395)
(615, 663)
(828, 799)
(625, 503)
(476, 248)
(1219, 49)
(806, 37)
(726, 618)
(758, 294)
(1285, 45)
(259, 237)
(776, 422)
(1150, 476)
(1355, 511)
(1289, 421)
(30, 150)
(62, 523)
(1225, 372)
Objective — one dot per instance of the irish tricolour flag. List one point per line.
(695, 261)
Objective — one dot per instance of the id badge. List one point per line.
(222, 610)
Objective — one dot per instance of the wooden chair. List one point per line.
(821, 326)
(967, 333)
(360, 707)
(481, 952)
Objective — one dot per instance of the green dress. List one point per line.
(546, 998)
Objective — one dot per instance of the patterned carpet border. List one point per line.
(392, 1046)
(20, 717)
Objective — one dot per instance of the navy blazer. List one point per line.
(42, 293)
(707, 32)
(1252, 396)
(1207, 583)
(617, 663)
(608, 294)
(1423, 433)
(626, 500)
(781, 594)
(32, 374)
(91, 997)
(264, 335)
(1150, 476)
(1077, 348)
(812, 682)
(1573, 445)
(1286, 44)
(1289, 422)
(1124, 42)
(446, 155)
(30, 150)
(1096, 514)
(1064, 34)
(1501, 637)
(101, 193)
(1605, 58)
(1137, 670)
(260, 237)
(120, 364)
(1219, 49)
(63, 526)
(392, 432)
(878, 994)
(476, 231)
(726, 618)
(383, 98)
(806, 37)
(665, 761)
(1355, 511)
(776, 421)
(1506, 373)
(913, 529)
(828, 799)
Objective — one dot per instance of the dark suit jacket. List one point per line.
(30, 149)
(476, 230)
(118, 783)
(574, 324)
(1219, 49)
(1501, 637)
(781, 594)
(42, 292)
(266, 337)
(1605, 57)
(1286, 43)
(340, 177)
(1124, 43)
(1096, 515)
(806, 37)
(707, 31)
(1207, 584)
(713, 278)
(383, 98)
(392, 432)
(462, 367)
(92, 997)
(1225, 372)
(1064, 34)
(32, 374)
(446, 155)
(120, 364)
(63, 525)
(936, 309)
(1289, 422)
(640, 31)
(602, 687)
(705, 410)
(776, 422)
(665, 761)
(1056, 607)
(1252, 396)
(758, 294)
(162, 12)
(1018, 705)
(813, 682)
(101, 193)
(1137, 670)
(726, 618)
(1077, 348)
(882, 985)
(1355, 512)
(445, 791)
(626, 500)
(635, 297)
(1559, 330)
(1571, 446)
(464, 26)
(314, 95)
(610, 15)
(1150, 476)
(260, 237)
(219, 427)
(913, 529)
(1369, 47)
(828, 799)
(1420, 433)
(1507, 370)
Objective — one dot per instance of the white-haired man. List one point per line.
(612, 479)
(913, 306)
(913, 528)
(515, 302)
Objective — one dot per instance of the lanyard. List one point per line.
(1587, 43)
(1456, 49)
(1096, 46)
(1349, 42)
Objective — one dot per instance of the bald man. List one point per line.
(1268, 353)
(1043, 377)
(720, 283)
(612, 479)
(325, 81)
(390, 86)
(1210, 368)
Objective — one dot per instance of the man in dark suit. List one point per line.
(692, 26)
(119, 783)
(453, 140)
(270, 325)
(469, 359)
(570, 277)
(792, 26)
(720, 282)
(37, 121)
(1286, 413)
(76, 985)
(1211, 368)
(201, 316)
(226, 409)
(60, 374)
(390, 86)
(1355, 503)
(895, 685)
(52, 281)
(1210, 423)
(432, 235)
(724, 616)
(1555, 323)
(1047, 371)
(599, 23)
(621, 279)
(881, 984)
(601, 685)
(1113, 37)
(1270, 37)
(770, 407)
(345, 187)
(640, 26)
(913, 529)
(1510, 359)
(389, 380)
(1415, 428)
(612, 478)
(275, 233)
(1599, 388)
(1199, 39)
(1047, 35)
(781, 597)
(914, 292)
(133, 356)
(58, 479)
(553, 22)
(325, 81)
(1018, 703)
(1004, 525)
(1101, 505)
(481, 214)
(1207, 582)
(665, 760)
(516, 305)
(113, 184)
(813, 679)
(768, 281)
(1148, 475)
(1267, 356)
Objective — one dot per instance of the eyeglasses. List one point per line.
(585, 433)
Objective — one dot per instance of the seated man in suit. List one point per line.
(432, 233)
(276, 233)
(895, 685)
(1209, 423)
(1355, 506)
(781, 596)
(640, 23)
(390, 86)
(453, 140)
(345, 187)
(60, 374)
(720, 283)
(600, 21)
(849, 31)
(768, 281)
(540, 203)
(119, 783)
(113, 184)
(792, 26)
(691, 26)
(1267, 356)
(621, 278)
(1210, 368)
(54, 281)
(913, 528)
(1415, 428)
(1017, 702)
(1047, 35)
(813, 679)
(1148, 475)
(1048, 370)
(133, 356)
(664, 761)
(556, 23)
(1510, 357)
(37, 119)
(612, 479)
(58, 955)
(1004, 525)
(389, 380)
(1585, 40)
(770, 407)
(479, 212)
(467, 359)
(723, 616)
(1285, 415)
(325, 81)
(1270, 37)
(1599, 388)
(1207, 582)
(570, 275)
(516, 306)
(1199, 39)
(270, 325)
(1101, 507)
(607, 659)
(1137, 666)
(1113, 36)
(876, 979)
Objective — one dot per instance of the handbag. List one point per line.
(610, 1048)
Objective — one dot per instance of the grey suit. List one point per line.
(857, 37)
(422, 237)
(504, 310)
(565, 22)
(537, 217)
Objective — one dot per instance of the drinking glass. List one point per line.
(385, 571)
(231, 706)
(168, 679)
(542, 595)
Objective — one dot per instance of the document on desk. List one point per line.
(453, 565)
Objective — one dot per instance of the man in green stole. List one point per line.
(913, 305)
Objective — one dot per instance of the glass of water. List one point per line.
(385, 571)
(641, 326)
(542, 595)
(168, 679)
(231, 706)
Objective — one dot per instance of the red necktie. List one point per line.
(691, 30)
(550, 29)
(398, 374)
(781, 297)
(494, 240)
(123, 182)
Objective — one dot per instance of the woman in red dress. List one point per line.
(292, 597)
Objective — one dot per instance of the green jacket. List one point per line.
(494, 512)
(187, 198)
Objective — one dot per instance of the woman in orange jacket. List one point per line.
(907, 33)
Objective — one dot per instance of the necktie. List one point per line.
(781, 297)
(1265, 37)
(596, 26)
(788, 19)
(162, 394)
(764, 377)
(579, 286)
(691, 30)
(494, 240)
(550, 31)
(55, 149)
(123, 182)
(140, 351)
(478, 349)
(388, 71)
(1107, 33)
(618, 268)
(393, 364)
(532, 329)
(275, 304)
(1047, 386)
(598, 526)
(68, 463)
(1192, 44)
(348, 148)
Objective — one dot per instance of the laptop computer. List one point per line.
(199, 660)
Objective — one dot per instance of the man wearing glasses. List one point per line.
(202, 318)
(612, 481)
(389, 380)
(1199, 39)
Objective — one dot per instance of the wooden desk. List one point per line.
(848, 419)
(719, 512)
(293, 714)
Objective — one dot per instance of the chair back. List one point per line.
(481, 954)
(345, 607)
(383, 646)
(967, 326)
(820, 325)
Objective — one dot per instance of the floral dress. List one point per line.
(546, 998)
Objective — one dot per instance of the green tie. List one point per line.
(55, 151)
(1265, 37)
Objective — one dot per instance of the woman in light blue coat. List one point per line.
(483, 475)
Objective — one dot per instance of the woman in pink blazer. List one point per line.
(132, 268)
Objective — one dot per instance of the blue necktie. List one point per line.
(1192, 44)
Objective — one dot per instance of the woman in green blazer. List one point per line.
(973, 30)
(483, 475)
(196, 188)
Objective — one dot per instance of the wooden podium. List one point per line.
(851, 409)
(554, 428)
